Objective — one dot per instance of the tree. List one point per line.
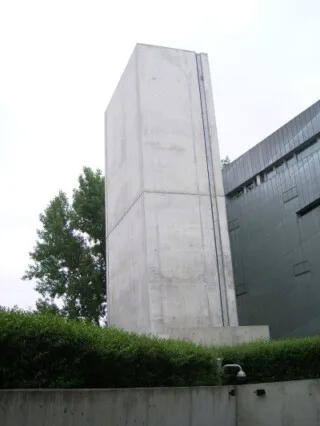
(69, 260)
(15, 309)
(69, 257)
(225, 162)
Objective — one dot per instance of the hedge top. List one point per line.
(46, 351)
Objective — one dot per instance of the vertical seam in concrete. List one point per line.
(210, 124)
(146, 257)
(191, 409)
(203, 256)
(210, 313)
(160, 271)
(199, 199)
(139, 121)
(236, 404)
(208, 152)
(142, 186)
(193, 136)
(224, 240)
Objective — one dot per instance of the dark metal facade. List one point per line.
(273, 206)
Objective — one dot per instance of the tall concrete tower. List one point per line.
(169, 269)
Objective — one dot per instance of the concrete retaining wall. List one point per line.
(119, 407)
(294, 403)
(288, 403)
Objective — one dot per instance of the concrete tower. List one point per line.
(169, 269)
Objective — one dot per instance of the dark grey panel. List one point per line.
(233, 224)
(273, 148)
(290, 194)
(301, 268)
(275, 250)
(241, 289)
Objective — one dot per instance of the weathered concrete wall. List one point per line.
(169, 265)
(226, 336)
(168, 253)
(123, 407)
(294, 403)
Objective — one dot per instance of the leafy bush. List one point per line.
(46, 351)
(276, 360)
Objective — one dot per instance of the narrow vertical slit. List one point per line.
(208, 153)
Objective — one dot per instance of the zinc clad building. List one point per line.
(273, 207)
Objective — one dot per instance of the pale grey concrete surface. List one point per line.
(120, 407)
(226, 336)
(294, 403)
(168, 252)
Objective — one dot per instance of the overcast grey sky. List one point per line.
(60, 62)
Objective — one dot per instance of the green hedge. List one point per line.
(48, 352)
(45, 351)
(276, 360)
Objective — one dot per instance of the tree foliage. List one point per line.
(225, 161)
(68, 260)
